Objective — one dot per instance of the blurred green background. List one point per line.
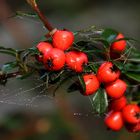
(29, 113)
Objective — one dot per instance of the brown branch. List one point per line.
(4, 76)
(42, 17)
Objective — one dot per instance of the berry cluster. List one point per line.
(120, 112)
(58, 54)
(54, 56)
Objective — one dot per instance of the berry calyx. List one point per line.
(116, 89)
(119, 46)
(63, 39)
(107, 72)
(54, 60)
(133, 127)
(92, 84)
(131, 113)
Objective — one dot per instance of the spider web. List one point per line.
(32, 93)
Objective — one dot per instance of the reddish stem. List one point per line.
(42, 17)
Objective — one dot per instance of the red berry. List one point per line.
(131, 113)
(118, 104)
(107, 72)
(63, 39)
(54, 60)
(114, 120)
(43, 47)
(119, 46)
(116, 89)
(75, 60)
(92, 84)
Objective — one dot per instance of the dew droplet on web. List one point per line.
(31, 95)
(82, 114)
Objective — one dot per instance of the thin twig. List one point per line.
(42, 17)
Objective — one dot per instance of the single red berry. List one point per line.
(92, 84)
(116, 89)
(54, 60)
(131, 113)
(119, 46)
(133, 127)
(63, 39)
(75, 60)
(118, 104)
(43, 47)
(114, 120)
(107, 72)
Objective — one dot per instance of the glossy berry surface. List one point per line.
(44, 47)
(118, 104)
(75, 60)
(92, 84)
(114, 120)
(131, 113)
(119, 46)
(54, 60)
(107, 72)
(116, 89)
(63, 39)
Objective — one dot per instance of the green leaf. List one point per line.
(103, 41)
(8, 51)
(24, 76)
(82, 83)
(100, 101)
(73, 87)
(22, 14)
(132, 67)
(9, 66)
(30, 51)
(135, 54)
(64, 77)
(119, 65)
(33, 50)
(109, 35)
(134, 76)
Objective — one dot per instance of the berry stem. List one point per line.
(42, 17)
